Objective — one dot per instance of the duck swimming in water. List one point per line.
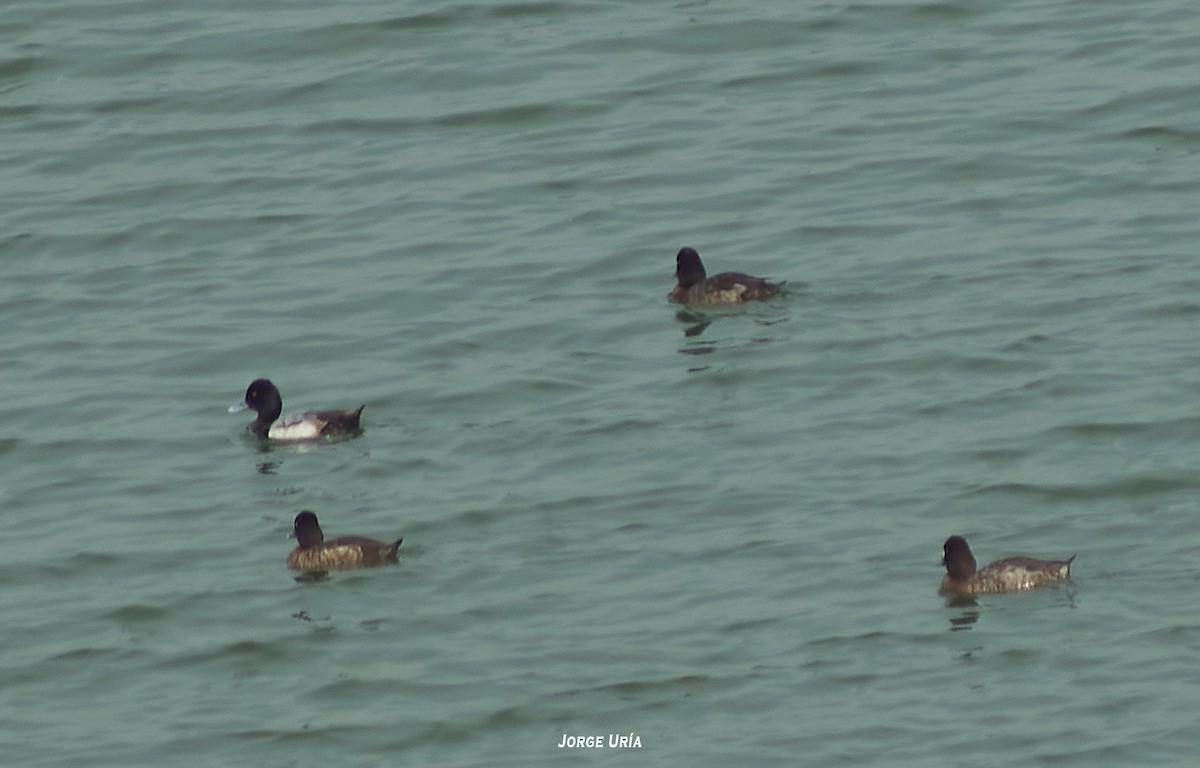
(1009, 574)
(314, 554)
(693, 286)
(263, 398)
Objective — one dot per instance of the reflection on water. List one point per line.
(968, 606)
(697, 329)
(698, 321)
(967, 617)
(708, 347)
(264, 445)
(703, 348)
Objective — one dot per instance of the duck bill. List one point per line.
(236, 407)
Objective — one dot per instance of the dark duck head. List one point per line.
(956, 556)
(689, 270)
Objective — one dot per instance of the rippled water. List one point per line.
(715, 532)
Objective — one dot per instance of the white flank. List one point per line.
(297, 427)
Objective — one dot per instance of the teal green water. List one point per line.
(717, 532)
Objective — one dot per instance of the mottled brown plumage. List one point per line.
(694, 286)
(313, 553)
(1009, 574)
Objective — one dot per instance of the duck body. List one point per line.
(314, 554)
(694, 286)
(312, 424)
(343, 553)
(1008, 574)
(263, 398)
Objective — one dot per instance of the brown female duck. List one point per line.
(1009, 574)
(313, 553)
(693, 286)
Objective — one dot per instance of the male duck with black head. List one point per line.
(316, 555)
(263, 397)
(1009, 574)
(694, 286)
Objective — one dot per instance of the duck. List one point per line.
(693, 286)
(1009, 574)
(263, 397)
(314, 554)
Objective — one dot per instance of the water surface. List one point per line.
(718, 531)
